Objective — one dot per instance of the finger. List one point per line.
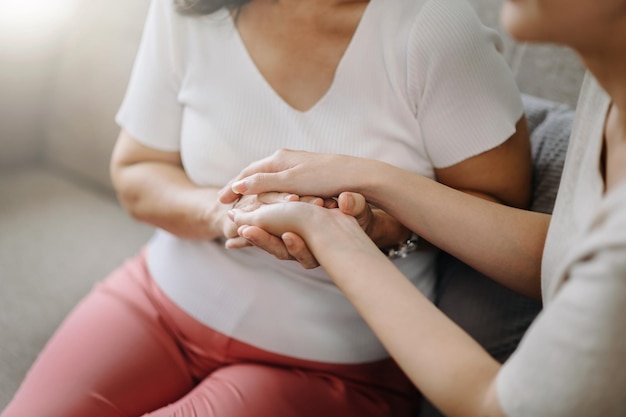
(225, 195)
(355, 205)
(252, 202)
(230, 230)
(331, 203)
(234, 188)
(297, 248)
(318, 201)
(266, 241)
(241, 218)
(261, 182)
(274, 197)
(351, 203)
(236, 243)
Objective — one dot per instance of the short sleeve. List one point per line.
(151, 111)
(572, 361)
(461, 88)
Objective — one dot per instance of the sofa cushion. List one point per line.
(87, 86)
(57, 238)
(550, 124)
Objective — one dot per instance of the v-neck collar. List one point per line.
(338, 74)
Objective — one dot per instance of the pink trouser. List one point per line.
(127, 350)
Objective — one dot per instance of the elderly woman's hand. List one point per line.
(298, 172)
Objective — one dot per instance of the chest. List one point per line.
(232, 114)
(298, 49)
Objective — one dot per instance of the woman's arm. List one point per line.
(154, 188)
(502, 242)
(502, 174)
(447, 365)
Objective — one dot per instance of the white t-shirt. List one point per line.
(421, 85)
(572, 360)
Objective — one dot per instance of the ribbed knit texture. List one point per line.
(395, 97)
(466, 63)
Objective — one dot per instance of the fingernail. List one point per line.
(349, 202)
(292, 197)
(241, 231)
(231, 214)
(238, 187)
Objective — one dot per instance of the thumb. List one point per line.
(351, 203)
(226, 195)
(258, 183)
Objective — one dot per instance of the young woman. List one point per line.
(189, 327)
(571, 361)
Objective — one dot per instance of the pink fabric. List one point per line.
(127, 350)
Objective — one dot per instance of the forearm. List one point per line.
(446, 365)
(162, 195)
(502, 242)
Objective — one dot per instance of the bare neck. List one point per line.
(609, 69)
(607, 63)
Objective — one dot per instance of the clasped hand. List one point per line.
(277, 230)
(301, 173)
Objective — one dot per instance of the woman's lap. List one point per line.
(126, 350)
(251, 390)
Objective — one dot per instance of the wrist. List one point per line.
(331, 232)
(361, 174)
(206, 214)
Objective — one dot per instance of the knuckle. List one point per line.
(310, 265)
(255, 179)
(281, 152)
(283, 256)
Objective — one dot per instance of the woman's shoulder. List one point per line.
(418, 31)
(429, 29)
(412, 9)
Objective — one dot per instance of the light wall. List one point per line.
(87, 85)
(30, 34)
(64, 65)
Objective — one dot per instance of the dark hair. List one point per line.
(199, 7)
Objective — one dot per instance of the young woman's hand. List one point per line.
(297, 172)
(277, 219)
(319, 228)
(288, 246)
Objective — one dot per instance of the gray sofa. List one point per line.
(61, 228)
